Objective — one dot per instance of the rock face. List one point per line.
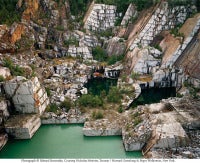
(101, 17)
(116, 46)
(170, 136)
(163, 18)
(27, 95)
(4, 113)
(16, 32)
(130, 13)
(31, 7)
(22, 126)
(137, 137)
(3, 140)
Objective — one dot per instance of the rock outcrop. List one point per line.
(22, 126)
(27, 95)
(130, 13)
(16, 32)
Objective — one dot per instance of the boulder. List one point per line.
(27, 95)
(5, 72)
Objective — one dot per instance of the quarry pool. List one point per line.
(154, 95)
(96, 85)
(66, 141)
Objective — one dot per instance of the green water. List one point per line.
(96, 85)
(66, 141)
(154, 95)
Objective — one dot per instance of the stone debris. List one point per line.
(73, 116)
(101, 17)
(27, 95)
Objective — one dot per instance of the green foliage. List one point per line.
(59, 28)
(137, 121)
(114, 95)
(52, 108)
(97, 115)
(173, 3)
(48, 91)
(120, 109)
(14, 69)
(113, 59)
(99, 54)
(1, 78)
(67, 104)
(157, 46)
(135, 75)
(90, 100)
(179, 95)
(107, 33)
(142, 4)
(175, 32)
(198, 5)
(71, 41)
(78, 7)
(122, 5)
(8, 12)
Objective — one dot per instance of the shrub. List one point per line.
(99, 54)
(90, 100)
(97, 115)
(71, 41)
(8, 12)
(1, 78)
(14, 69)
(120, 109)
(48, 91)
(67, 104)
(52, 108)
(157, 46)
(114, 95)
(135, 75)
(137, 121)
(113, 59)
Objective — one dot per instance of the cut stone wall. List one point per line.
(82, 52)
(101, 17)
(164, 18)
(27, 95)
(22, 126)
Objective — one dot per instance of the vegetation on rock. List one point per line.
(8, 12)
(15, 70)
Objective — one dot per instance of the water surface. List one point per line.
(154, 95)
(66, 141)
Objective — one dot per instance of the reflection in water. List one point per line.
(154, 95)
